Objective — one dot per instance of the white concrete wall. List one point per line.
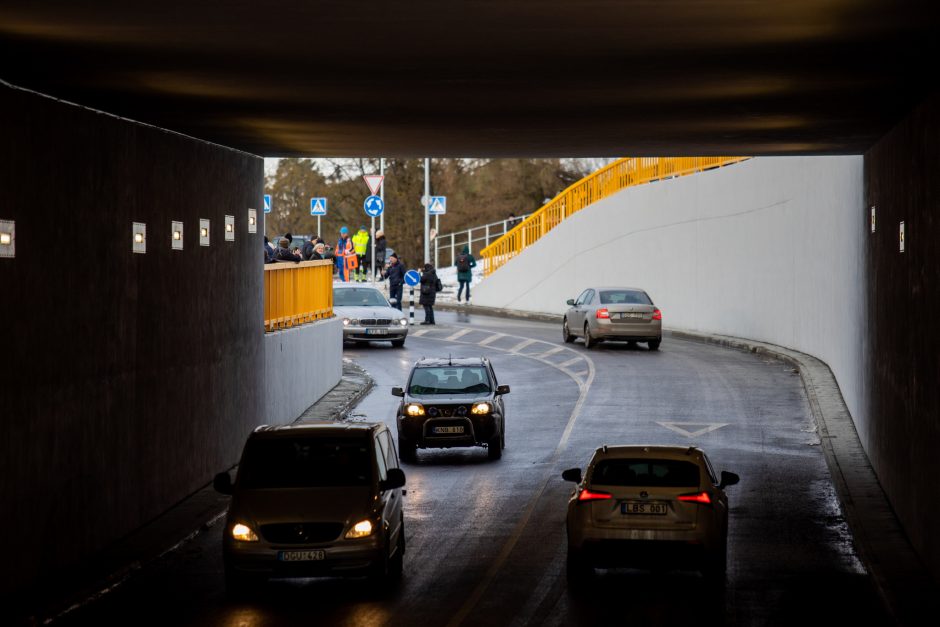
(770, 249)
(300, 366)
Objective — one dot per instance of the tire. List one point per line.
(407, 450)
(384, 571)
(654, 344)
(502, 434)
(398, 343)
(566, 333)
(589, 341)
(397, 563)
(715, 564)
(578, 569)
(494, 448)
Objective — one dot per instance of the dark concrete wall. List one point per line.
(126, 380)
(902, 174)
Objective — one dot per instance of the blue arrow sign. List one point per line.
(437, 206)
(374, 206)
(318, 206)
(412, 278)
(267, 203)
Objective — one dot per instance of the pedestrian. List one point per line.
(361, 245)
(345, 255)
(307, 249)
(512, 221)
(465, 264)
(430, 286)
(320, 252)
(268, 250)
(396, 279)
(284, 253)
(380, 247)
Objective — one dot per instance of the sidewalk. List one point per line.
(173, 529)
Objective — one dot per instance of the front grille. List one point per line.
(301, 533)
(446, 411)
(375, 322)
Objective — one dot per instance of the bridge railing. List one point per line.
(601, 184)
(297, 293)
(449, 245)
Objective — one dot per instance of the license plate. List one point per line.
(643, 507)
(376, 331)
(631, 314)
(301, 556)
(448, 429)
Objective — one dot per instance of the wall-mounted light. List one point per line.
(176, 235)
(873, 218)
(252, 220)
(229, 228)
(203, 232)
(138, 237)
(7, 238)
(901, 237)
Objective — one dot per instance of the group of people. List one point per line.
(313, 249)
(354, 254)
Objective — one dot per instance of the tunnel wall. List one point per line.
(901, 178)
(126, 380)
(770, 249)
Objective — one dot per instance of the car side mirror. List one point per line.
(398, 392)
(569, 302)
(502, 389)
(396, 479)
(728, 478)
(572, 474)
(223, 483)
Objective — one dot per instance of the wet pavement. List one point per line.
(486, 540)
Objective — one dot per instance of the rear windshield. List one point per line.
(305, 463)
(652, 473)
(358, 297)
(624, 297)
(450, 380)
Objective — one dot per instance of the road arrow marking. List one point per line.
(705, 427)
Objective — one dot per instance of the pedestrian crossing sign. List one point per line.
(437, 206)
(318, 206)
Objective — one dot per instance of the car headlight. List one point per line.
(361, 529)
(244, 533)
(354, 322)
(403, 322)
(481, 408)
(415, 409)
(345, 322)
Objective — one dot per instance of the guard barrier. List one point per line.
(297, 293)
(603, 183)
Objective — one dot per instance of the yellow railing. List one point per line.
(295, 293)
(605, 182)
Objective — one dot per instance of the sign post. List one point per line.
(318, 209)
(412, 278)
(373, 206)
(375, 184)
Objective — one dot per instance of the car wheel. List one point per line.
(383, 571)
(494, 448)
(577, 568)
(398, 343)
(589, 341)
(407, 450)
(502, 434)
(397, 563)
(716, 564)
(654, 344)
(566, 332)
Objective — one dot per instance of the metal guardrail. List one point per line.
(603, 183)
(297, 293)
(453, 243)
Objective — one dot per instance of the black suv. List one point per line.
(451, 402)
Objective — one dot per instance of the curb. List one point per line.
(336, 404)
(902, 580)
(499, 313)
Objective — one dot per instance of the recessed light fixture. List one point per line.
(176, 235)
(7, 238)
(252, 220)
(138, 237)
(229, 228)
(203, 232)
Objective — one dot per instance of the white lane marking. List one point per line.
(551, 352)
(419, 332)
(518, 347)
(705, 427)
(491, 339)
(459, 334)
(570, 362)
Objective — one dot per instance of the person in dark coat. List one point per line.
(307, 250)
(396, 279)
(429, 289)
(380, 247)
(465, 264)
(268, 251)
(284, 253)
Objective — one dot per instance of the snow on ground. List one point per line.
(448, 277)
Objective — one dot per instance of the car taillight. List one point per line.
(602, 313)
(588, 495)
(657, 314)
(701, 497)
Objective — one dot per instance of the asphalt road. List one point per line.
(486, 540)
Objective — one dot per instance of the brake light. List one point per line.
(588, 495)
(657, 314)
(701, 497)
(602, 313)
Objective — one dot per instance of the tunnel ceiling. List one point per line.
(486, 77)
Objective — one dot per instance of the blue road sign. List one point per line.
(412, 278)
(437, 206)
(267, 203)
(374, 206)
(318, 206)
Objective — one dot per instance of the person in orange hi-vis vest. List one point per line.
(346, 260)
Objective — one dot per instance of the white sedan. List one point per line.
(367, 315)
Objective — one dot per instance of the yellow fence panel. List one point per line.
(605, 182)
(297, 293)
